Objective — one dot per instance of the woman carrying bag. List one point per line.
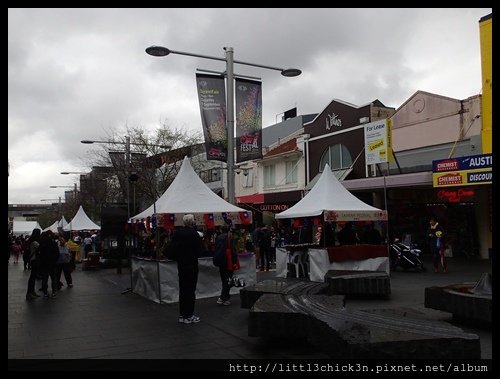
(224, 246)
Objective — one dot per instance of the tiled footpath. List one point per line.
(95, 320)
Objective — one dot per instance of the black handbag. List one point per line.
(235, 281)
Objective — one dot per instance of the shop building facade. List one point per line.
(274, 183)
(336, 137)
(425, 128)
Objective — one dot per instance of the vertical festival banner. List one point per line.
(212, 98)
(248, 120)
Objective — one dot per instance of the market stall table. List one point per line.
(145, 278)
(321, 260)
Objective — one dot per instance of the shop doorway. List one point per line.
(462, 230)
(410, 222)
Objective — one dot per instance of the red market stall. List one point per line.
(156, 279)
(327, 207)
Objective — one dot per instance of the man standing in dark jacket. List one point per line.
(34, 248)
(265, 248)
(186, 247)
(49, 253)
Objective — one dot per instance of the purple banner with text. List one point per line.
(248, 120)
(212, 98)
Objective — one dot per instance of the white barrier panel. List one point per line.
(319, 264)
(281, 262)
(145, 279)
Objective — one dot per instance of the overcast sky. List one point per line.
(76, 73)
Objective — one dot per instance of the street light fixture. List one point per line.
(86, 175)
(127, 144)
(130, 178)
(64, 186)
(90, 142)
(59, 204)
(160, 51)
(75, 190)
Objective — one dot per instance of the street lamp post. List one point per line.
(127, 144)
(74, 172)
(75, 189)
(127, 189)
(160, 51)
(59, 205)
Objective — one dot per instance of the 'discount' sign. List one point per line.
(462, 171)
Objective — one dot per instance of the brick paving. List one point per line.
(95, 320)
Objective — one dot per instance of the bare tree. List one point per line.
(152, 168)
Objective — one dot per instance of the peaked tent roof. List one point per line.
(52, 227)
(188, 194)
(327, 195)
(57, 224)
(62, 222)
(24, 227)
(81, 222)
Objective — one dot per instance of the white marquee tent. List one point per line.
(81, 222)
(330, 196)
(62, 222)
(56, 225)
(52, 227)
(24, 227)
(188, 194)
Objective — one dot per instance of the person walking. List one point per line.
(255, 240)
(34, 247)
(74, 250)
(63, 264)
(222, 242)
(26, 254)
(265, 248)
(49, 254)
(436, 235)
(185, 248)
(87, 245)
(16, 250)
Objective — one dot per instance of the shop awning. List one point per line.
(402, 180)
(256, 198)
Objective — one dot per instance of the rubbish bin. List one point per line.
(91, 262)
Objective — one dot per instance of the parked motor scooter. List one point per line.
(405, 256)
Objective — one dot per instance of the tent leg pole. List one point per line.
(127, 290)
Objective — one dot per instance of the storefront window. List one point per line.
(291, 171)
(337, 156)
(269, 176)
(247, 180)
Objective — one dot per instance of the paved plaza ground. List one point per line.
(95, 320)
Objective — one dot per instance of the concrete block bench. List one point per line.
(463, 300)
(285, 286)
(358, 282)
(353, 334)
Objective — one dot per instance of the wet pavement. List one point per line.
(95, 320)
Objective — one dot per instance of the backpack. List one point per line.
(219, 258)
(34, 251)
